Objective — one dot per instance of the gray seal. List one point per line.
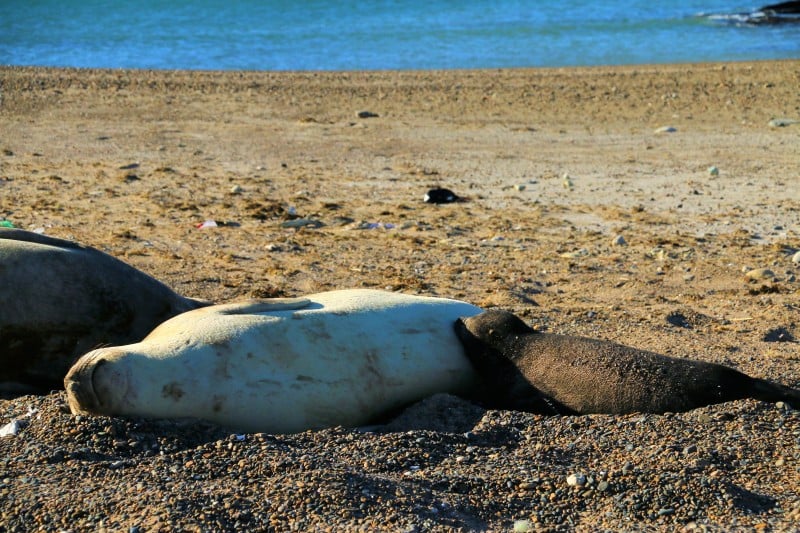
(59, 299)
(546, 373)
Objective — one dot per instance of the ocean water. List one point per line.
(381, 34)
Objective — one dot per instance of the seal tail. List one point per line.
(768, 391)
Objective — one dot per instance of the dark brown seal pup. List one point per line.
(59, 299)
(546, 373)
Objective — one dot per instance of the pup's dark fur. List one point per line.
(546, 373)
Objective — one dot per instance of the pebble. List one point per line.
(522, 526)
(236, 189)
(581, 252)
(366, 114)
(12, 428)
(576, 480)
(666, 129)
(619, 240)
(714, 171)
(796, 257)
(782, 122)
(760, 273)
(520, 187)
(302, 223)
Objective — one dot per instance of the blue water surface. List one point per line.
(379, 34)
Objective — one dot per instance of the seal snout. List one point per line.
(89, 382)
(460, 327)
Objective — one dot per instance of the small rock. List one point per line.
(520, 187)
(521, 526)
(602, 486)
(576, 480)
(236, 189)
(577, 253)
(760, 273)
(619, 240)
(567, 183)
(12, 428)
(796, 258)
(366, 114)
(302, 223)
(782, 122)
(678, 319)
(714, 171)
(666, 511)
(666, 129)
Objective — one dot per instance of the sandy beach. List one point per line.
(629, 203)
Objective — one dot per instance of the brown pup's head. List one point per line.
(487, 336)
(491, 342)
(492, 329)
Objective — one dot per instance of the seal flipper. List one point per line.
(248, 307)
(768, 391)
(16, 234)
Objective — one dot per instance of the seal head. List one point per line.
(491, 341)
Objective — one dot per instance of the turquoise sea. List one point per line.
(381, 34)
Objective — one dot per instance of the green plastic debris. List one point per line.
(6, 224)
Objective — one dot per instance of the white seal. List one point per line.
(283, 365)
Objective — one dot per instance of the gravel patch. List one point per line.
(732, 466)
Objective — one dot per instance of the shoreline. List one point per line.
(626, 66)
(414, 74)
